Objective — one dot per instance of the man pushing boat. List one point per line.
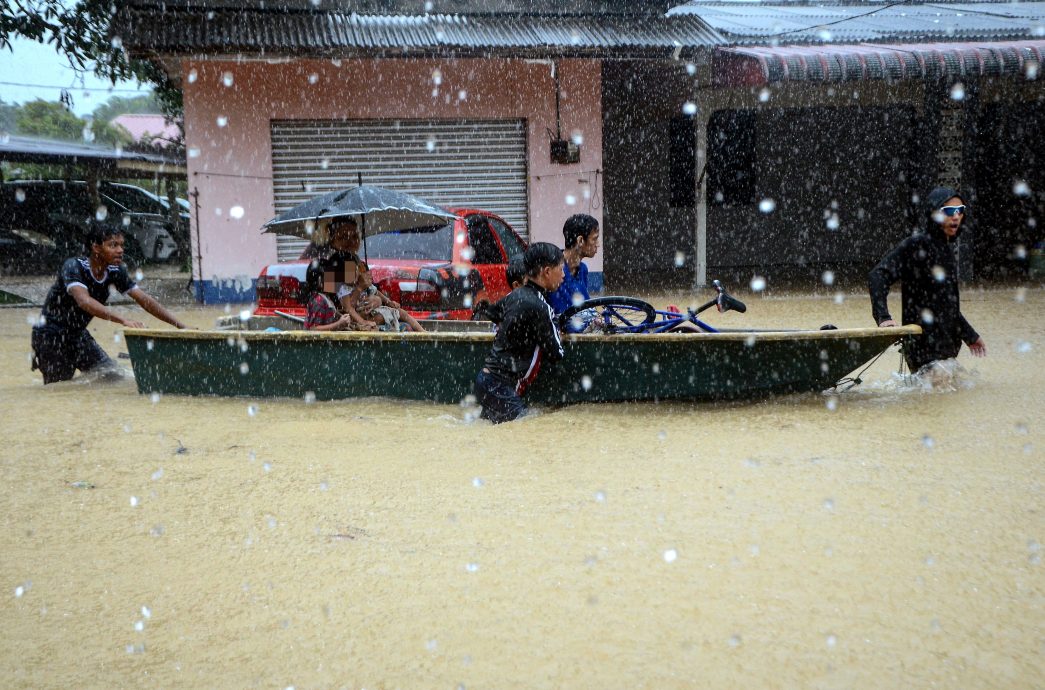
(526, 336)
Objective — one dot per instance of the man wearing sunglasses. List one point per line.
(927, 267)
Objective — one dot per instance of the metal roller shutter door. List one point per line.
(473, 163)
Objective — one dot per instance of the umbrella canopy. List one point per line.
(380, 210)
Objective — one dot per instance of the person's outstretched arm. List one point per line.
(881, 278)
(95, 308)
(149, 304)
(971, 338)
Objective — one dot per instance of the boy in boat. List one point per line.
(527, 335)
(388, 314)
(580, 235)
(61, 343)
(321, 282)
(925, 264)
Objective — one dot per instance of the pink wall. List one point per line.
(227, 133)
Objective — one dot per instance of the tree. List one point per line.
(81, 33)
(118, 105)
(8, 114)
(53, 121)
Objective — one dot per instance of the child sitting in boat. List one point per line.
(387, 314)
(321, 281)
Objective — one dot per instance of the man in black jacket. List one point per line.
(526, 336)
(926, 265)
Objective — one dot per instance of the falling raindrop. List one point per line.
(734, 641)
(134, 501)
(689, 108)
(222, 120)
(1023, 347)
(19, 195)
(939, 274)
(767, 205)
(829, 504)
(430, 144)
(252, 410)
(157, 474)
(192, 152)
(437, 77)
(226, 78)
(192, 76)
(1020, 188)
(928, 441)
(472, 567)
(831, 641)
(749, 341)
(824, 35)
(1030, 69)
(236, 212)
(139, 626)
(244, 315)
(244, 368)
(958, 92)
(571, 200)
(839, 298)
(139, 275)
(310, 397)
(467, 253)
(600, 496)
(88, 133)
(101, 213)
(831, 404)
(577, 137)
(691, 69)
(670, 555)
(764, 95)
(477, 482)
(313, 78)
(1019, 252)
(832, 222)
(927, 316)
(758, 284)
(828, 277)
(19, 591)
(155, 398)
(586, 383)
(462, 95)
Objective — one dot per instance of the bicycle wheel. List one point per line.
(618, 314)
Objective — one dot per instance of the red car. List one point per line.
(451, 271)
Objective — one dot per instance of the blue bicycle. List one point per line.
(610, 315)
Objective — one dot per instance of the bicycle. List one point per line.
(610, 315)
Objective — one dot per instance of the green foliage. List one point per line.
(8, 114)
(118, 105)
(81, 33)
(49, 120)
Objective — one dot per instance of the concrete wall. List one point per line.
(229, 105)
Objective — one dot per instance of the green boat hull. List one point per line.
(441, 367)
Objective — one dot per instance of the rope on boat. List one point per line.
(855, 381)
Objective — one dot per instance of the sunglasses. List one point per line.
(951, 210)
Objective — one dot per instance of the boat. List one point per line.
(253, 359)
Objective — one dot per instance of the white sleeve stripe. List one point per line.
(70, 285)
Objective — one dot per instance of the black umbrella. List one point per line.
(379, 209)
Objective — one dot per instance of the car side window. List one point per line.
(482, 242)
(509, 240)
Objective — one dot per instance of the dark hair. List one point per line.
(317, 268)
(515, 272)
(541, 255)
(577, 226)
(97, 232)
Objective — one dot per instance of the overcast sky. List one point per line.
(45, 73)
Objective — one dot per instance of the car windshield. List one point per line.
(434, 242)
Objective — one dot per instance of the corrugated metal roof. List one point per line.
(323, 32)
(759, 65)
(36, 150)
(748, 22)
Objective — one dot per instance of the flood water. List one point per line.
(888, 537)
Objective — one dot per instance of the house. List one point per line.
(740, 138)
(148, 129)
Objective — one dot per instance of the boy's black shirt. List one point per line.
(527, 334)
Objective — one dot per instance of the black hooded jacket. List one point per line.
(527, 334)
(926, 265)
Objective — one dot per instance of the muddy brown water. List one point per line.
(889, 537)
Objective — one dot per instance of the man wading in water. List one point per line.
(526, 335)
(926, 265)
(61, 343)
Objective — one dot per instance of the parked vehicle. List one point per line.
(63, 209)
(449, 271)
(24, 251)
